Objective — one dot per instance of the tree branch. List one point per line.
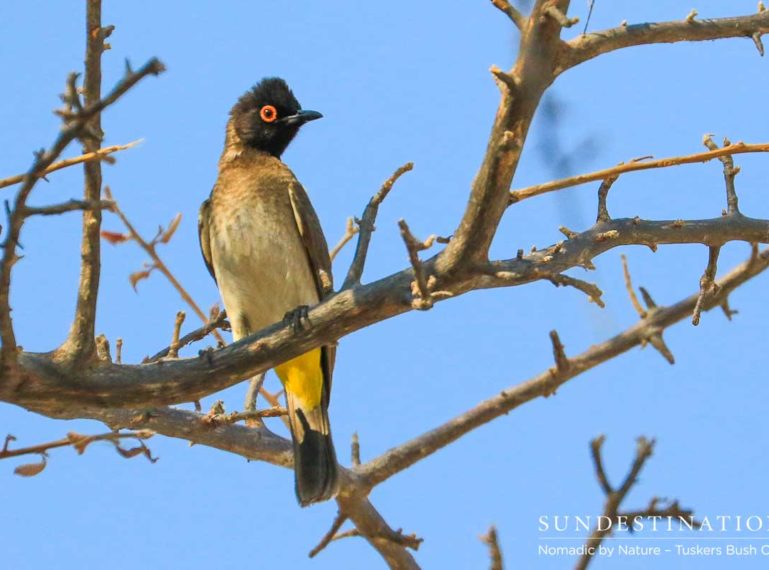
(587, 46)
(634, 166)
(366, 225)
(74, 122)
(403, 456)
(100, 154)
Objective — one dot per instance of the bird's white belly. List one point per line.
(261, 268)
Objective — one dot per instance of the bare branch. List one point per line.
(73, 127)
(614, 499)
(634, 166)
(100, 154)
(405, 455)
(81, 442)
(588, 46)
(69, 206)
(366, 225)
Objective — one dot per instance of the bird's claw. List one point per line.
(296, 318)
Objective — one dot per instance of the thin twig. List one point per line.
(707, 282)
(736, 148)
(100, 154)
(69, 206)
(559, 354)
(730, 171)
(511, 12)
(423, 298)
(366, 225)
(491, 540)
(160, 265)
(630, 291)
(614, 499)
(329, 536)
(219, 322)
(350, 230)
(173, 349)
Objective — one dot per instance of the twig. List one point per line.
(491, 540)
(736, 148)
(330, 535)
(350, 231)
(630, 291)
(423, 299)
(730, 171)
(366, 225)
(173, 349)
(74, 123)
(511, 12)
(590, 289)
(79, 443)
(219, 322)
(563, 20)
(600, 473)
(603, 193)
(100, 154)
(614, 498)
(559, 354)
(69, 206)
(405, 455)
(119, 351)
(151, 250)
(355, 450)
(707, 282)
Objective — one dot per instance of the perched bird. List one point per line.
(264, 247)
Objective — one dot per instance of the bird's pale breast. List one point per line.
(258, 256)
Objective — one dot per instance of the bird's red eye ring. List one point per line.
(268, 113)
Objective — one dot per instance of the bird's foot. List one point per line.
(297, 318)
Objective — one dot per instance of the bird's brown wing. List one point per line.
(317, 255)
(204, 236)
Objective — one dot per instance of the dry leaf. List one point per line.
(137, 276)
(114, 237)
(31, 469)
(166, 236)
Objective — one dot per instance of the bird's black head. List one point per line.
(268, 116)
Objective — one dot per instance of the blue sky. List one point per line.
(397, 82)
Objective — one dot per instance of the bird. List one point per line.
(263, 244)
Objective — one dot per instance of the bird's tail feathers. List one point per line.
(314, 457)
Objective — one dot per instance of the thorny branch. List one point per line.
(102, 154)
(615, 497)
(107, 392)
(76, 119)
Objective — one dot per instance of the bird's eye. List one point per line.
(268, 113)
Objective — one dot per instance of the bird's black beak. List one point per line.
(301, 118)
